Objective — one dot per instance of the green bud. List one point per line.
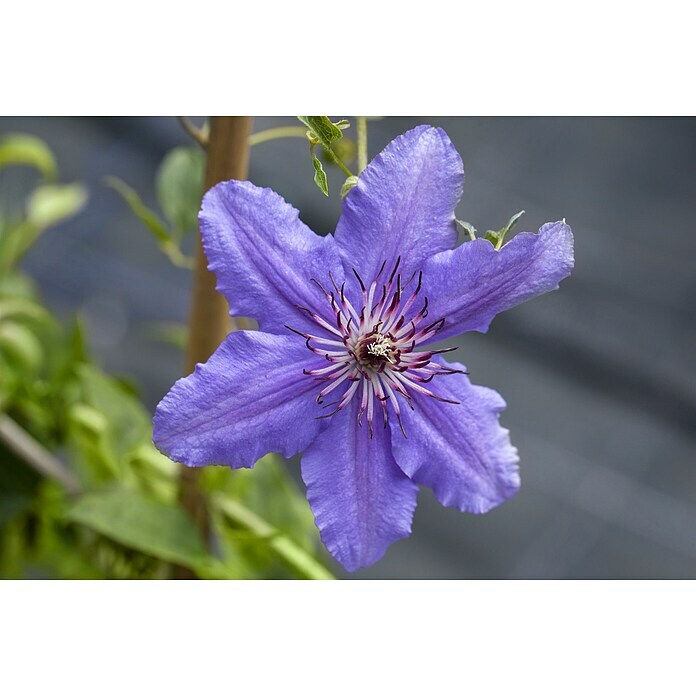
(470, 229)
(349, 183)
(498, 237)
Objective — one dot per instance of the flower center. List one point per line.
(373, 353)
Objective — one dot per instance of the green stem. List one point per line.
(275, 133)
(361, 126)
(334, 158)
(287, 549)
(36, 455)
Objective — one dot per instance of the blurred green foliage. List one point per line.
(178, 187)
(123, 520)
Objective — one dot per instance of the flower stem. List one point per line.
(361, 126)
(200, 135)
(227, 158)
(334, 158)
(24, 446)
(279, 132)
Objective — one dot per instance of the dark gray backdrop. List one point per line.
(599, 377)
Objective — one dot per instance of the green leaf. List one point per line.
(179, 186)
(320, 176)
(91, 452)
(269, 493)
(53, 203)
(47, 205)
(23, 309)
(91, 421)
(162, 234)
(305, 564)
(147, 216)
(137, 522)
(170, 332)
(498, 237)
(18, 285)
(128, 421)
(68, 352)
(325, 131)
(21, 346)
(106, 425)
(18, 484)
(28, 150)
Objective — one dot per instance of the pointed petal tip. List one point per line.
(403, 204)
(559, 236)
(473, 283)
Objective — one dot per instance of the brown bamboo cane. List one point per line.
(227, 153)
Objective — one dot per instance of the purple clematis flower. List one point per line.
(342, 367)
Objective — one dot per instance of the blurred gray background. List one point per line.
(599, 377)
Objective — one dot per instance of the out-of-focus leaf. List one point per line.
(148, 455)
(154, 473)
(137, 522)
(68, 352)
(75, 344)
(15, 240)
(9, 382)
(128, 422)
(51, 204)
(179, 186)
(18, 285)
(147, 216)
(320, 176)
(170, 332)
(269, 492)
(20, 346)
(90, 420)
(152, 221)
(307, 566)
(18, 483)
(28, 150)
(47, 205)
(23, 309)
(92, 452)
(40, 545)
(264, 527)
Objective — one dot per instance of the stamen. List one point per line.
(375, 349)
